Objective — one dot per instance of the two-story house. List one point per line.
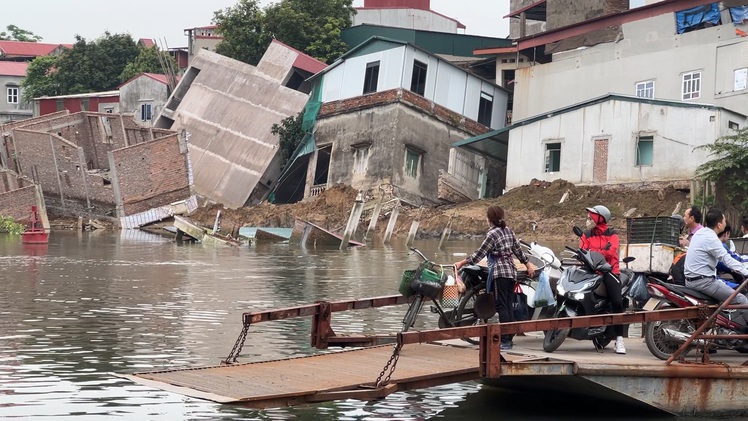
(388, 113)
(144, 96)
(12, 105)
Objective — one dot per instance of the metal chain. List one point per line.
(391, 364)
(238, 345)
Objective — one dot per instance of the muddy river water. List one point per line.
(86, 306)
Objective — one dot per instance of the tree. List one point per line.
(290, 133)
(18, 34)
(41, 78)
(311, 26)
(241, 28)
(147, 61)
(727, 169)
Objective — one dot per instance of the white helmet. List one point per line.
(602, 211)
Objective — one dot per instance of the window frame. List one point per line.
(411, 168)
(12, 98)
(418, 78)
(361, 155)
(639, 156)
(645, 89)
(688, 81)
(371, 77)
(485, 109)
(146, 106)
(548, 153)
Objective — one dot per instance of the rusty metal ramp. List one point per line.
(338, 375)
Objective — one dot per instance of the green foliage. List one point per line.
(87, 67)
(8, 225)
(18, 34)
(147, 61)
(291, 134)
(728, 168)
(242, 29)
(311, 26)
(41, 78)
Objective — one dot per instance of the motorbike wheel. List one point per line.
(464, 314)
(659, 343)
(413, 309)
(554, 338)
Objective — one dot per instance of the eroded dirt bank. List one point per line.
(535, 205)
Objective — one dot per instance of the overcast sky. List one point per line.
(58, 21)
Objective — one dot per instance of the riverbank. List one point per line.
(540, 210)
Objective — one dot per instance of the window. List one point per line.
(13, 95)
(360, 159)
(733, 125)
(552, 157)
(371, 77)
(485, 109)
(60, 105)
(418, 83)
(412, 161)
(145, 112)
(644, 151)
(691, 85)
(645, 89)
(84, 104)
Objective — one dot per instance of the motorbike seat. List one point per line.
(680, 289)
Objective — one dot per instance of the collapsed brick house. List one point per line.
(99, 164)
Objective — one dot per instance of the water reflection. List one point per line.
(89, 305)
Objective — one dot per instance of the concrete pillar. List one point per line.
(391, 224)
(412, 233)
(350, 228)
(374, 218)
(217, 224)
(445, 234)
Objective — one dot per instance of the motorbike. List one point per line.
(581, 292)
(665, 337)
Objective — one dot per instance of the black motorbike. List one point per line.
(581, 292)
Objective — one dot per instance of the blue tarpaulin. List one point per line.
(695, 16)
(738, 14)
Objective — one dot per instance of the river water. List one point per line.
(89, 305)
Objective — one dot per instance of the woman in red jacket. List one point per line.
(602, 239)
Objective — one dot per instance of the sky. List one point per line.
(58, 21)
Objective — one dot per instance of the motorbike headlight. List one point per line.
(560, 289)
(579, 296)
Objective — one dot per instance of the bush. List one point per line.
(8, 225)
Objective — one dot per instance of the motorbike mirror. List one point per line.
(577, 231)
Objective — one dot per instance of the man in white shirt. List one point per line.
(744, 227)
(703, 254)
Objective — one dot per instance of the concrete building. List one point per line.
(614, 139)
(13, 106)
(388, 113)
(409, 14)
(98, 164)
(227, 108)
(201, 38)
(705, 64)
(144, 96)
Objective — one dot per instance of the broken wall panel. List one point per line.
(562, 13)
(151, 174)
(17, 203)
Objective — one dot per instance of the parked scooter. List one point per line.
(665, 337)
(581, 292)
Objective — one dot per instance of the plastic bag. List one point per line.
(638, 292)
(543, 293)
(519, 305)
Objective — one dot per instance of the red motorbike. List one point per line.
(665, 337)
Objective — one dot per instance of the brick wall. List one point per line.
(151, 174)
(17, 203)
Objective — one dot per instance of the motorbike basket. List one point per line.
(539, 264)
(427, 280)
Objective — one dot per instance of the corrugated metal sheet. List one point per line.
(228, 112)
(158, 214)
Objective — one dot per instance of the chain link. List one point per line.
(238, 345)
(391, 364)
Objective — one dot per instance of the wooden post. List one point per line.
(445, 234)
(374, 218)
(391, 224)
(350, 228)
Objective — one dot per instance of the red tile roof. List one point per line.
(146, 42)
(13, 68)
(25, 49)
(155, 76)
